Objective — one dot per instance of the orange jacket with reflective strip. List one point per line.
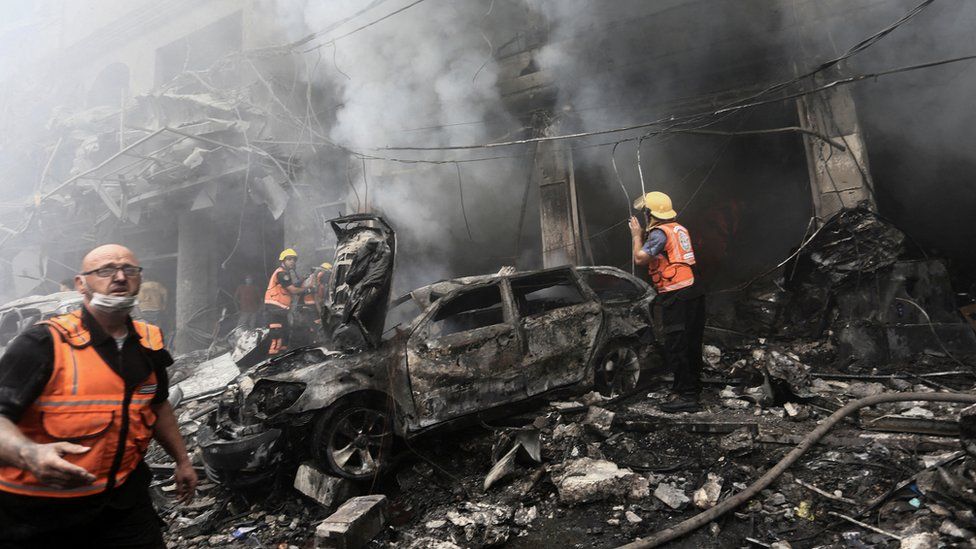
(671, 269)
(276, 294)
(319, 290)
(85, 402)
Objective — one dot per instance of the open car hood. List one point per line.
(362, 276)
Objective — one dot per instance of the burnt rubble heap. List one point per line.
(849, 426)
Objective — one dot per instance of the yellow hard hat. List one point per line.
(327, 266)
(658, 203)
(286, 254)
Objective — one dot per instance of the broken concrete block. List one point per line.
(524, 516)
(967, 429)
(671, 495)
(712, 354)
(738, 441)
(707, 496)
(584, 480)
(599, 420)
(592, 398)
(861, 390)
(633, 518)
(573, 430)
(356, 522)
(950, 528)
(920, 541)
(328, 490)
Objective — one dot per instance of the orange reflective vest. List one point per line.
(671, 269)
(318, 290)
(85, 402)
(276, 294)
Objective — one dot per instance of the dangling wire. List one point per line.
(640, 170)
(613, 161)
(464, 212)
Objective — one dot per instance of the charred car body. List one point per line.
(447, 352)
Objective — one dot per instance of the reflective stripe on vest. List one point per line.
(83, 402)
(671, 269)
(276, 294)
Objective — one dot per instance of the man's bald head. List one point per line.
(110, 255)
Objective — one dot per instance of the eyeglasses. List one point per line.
(108, 272)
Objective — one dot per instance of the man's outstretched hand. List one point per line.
(45, 461)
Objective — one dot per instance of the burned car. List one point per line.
(446, 353)
(17, 315)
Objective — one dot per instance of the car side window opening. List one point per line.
(610, 287)
(469, 310)
(545, 292)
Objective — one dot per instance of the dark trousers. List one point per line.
(683, 324)
(279, 329)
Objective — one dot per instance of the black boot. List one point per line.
(681, 403)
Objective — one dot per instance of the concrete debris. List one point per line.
(633, 518)
(599, 420)
(672, 496)
(584, 480)
(707, 496)
(739, 441)
(356, 522)
(571, 431)
(950, 528)
(712, 355)
(481, 524)
(525, 516)
(327, 490)
(209, 376)
(920, 541)
(592, 398)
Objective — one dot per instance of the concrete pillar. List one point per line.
(196, 280)
(838, 179)
(558, 207)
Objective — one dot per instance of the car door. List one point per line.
(465, 355)
(560, 324)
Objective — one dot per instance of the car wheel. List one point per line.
(618, 370)
(354, 441)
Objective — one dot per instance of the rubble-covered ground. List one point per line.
(612, 471)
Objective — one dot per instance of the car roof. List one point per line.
(424, 294)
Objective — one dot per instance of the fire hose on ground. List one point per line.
(812, 438)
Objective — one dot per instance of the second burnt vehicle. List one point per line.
(440, 355)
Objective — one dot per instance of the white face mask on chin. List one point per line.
(113, 303)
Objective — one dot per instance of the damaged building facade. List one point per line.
(204, 136)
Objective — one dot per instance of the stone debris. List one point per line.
(707, 496)
(585, 480)
(920, 541)
(672, 496)
(327, 490)
(356, 522)
(599, 420)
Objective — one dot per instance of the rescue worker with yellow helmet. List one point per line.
(317, 282)
(282, 286)
(665, 248)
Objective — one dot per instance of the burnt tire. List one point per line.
(354, 441)
(618, 369)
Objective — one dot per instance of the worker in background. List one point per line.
(318, 283)
(668, 254)
(81, 397)
(248, 298)
(282, 286)
(307, 316)
(152, 301)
